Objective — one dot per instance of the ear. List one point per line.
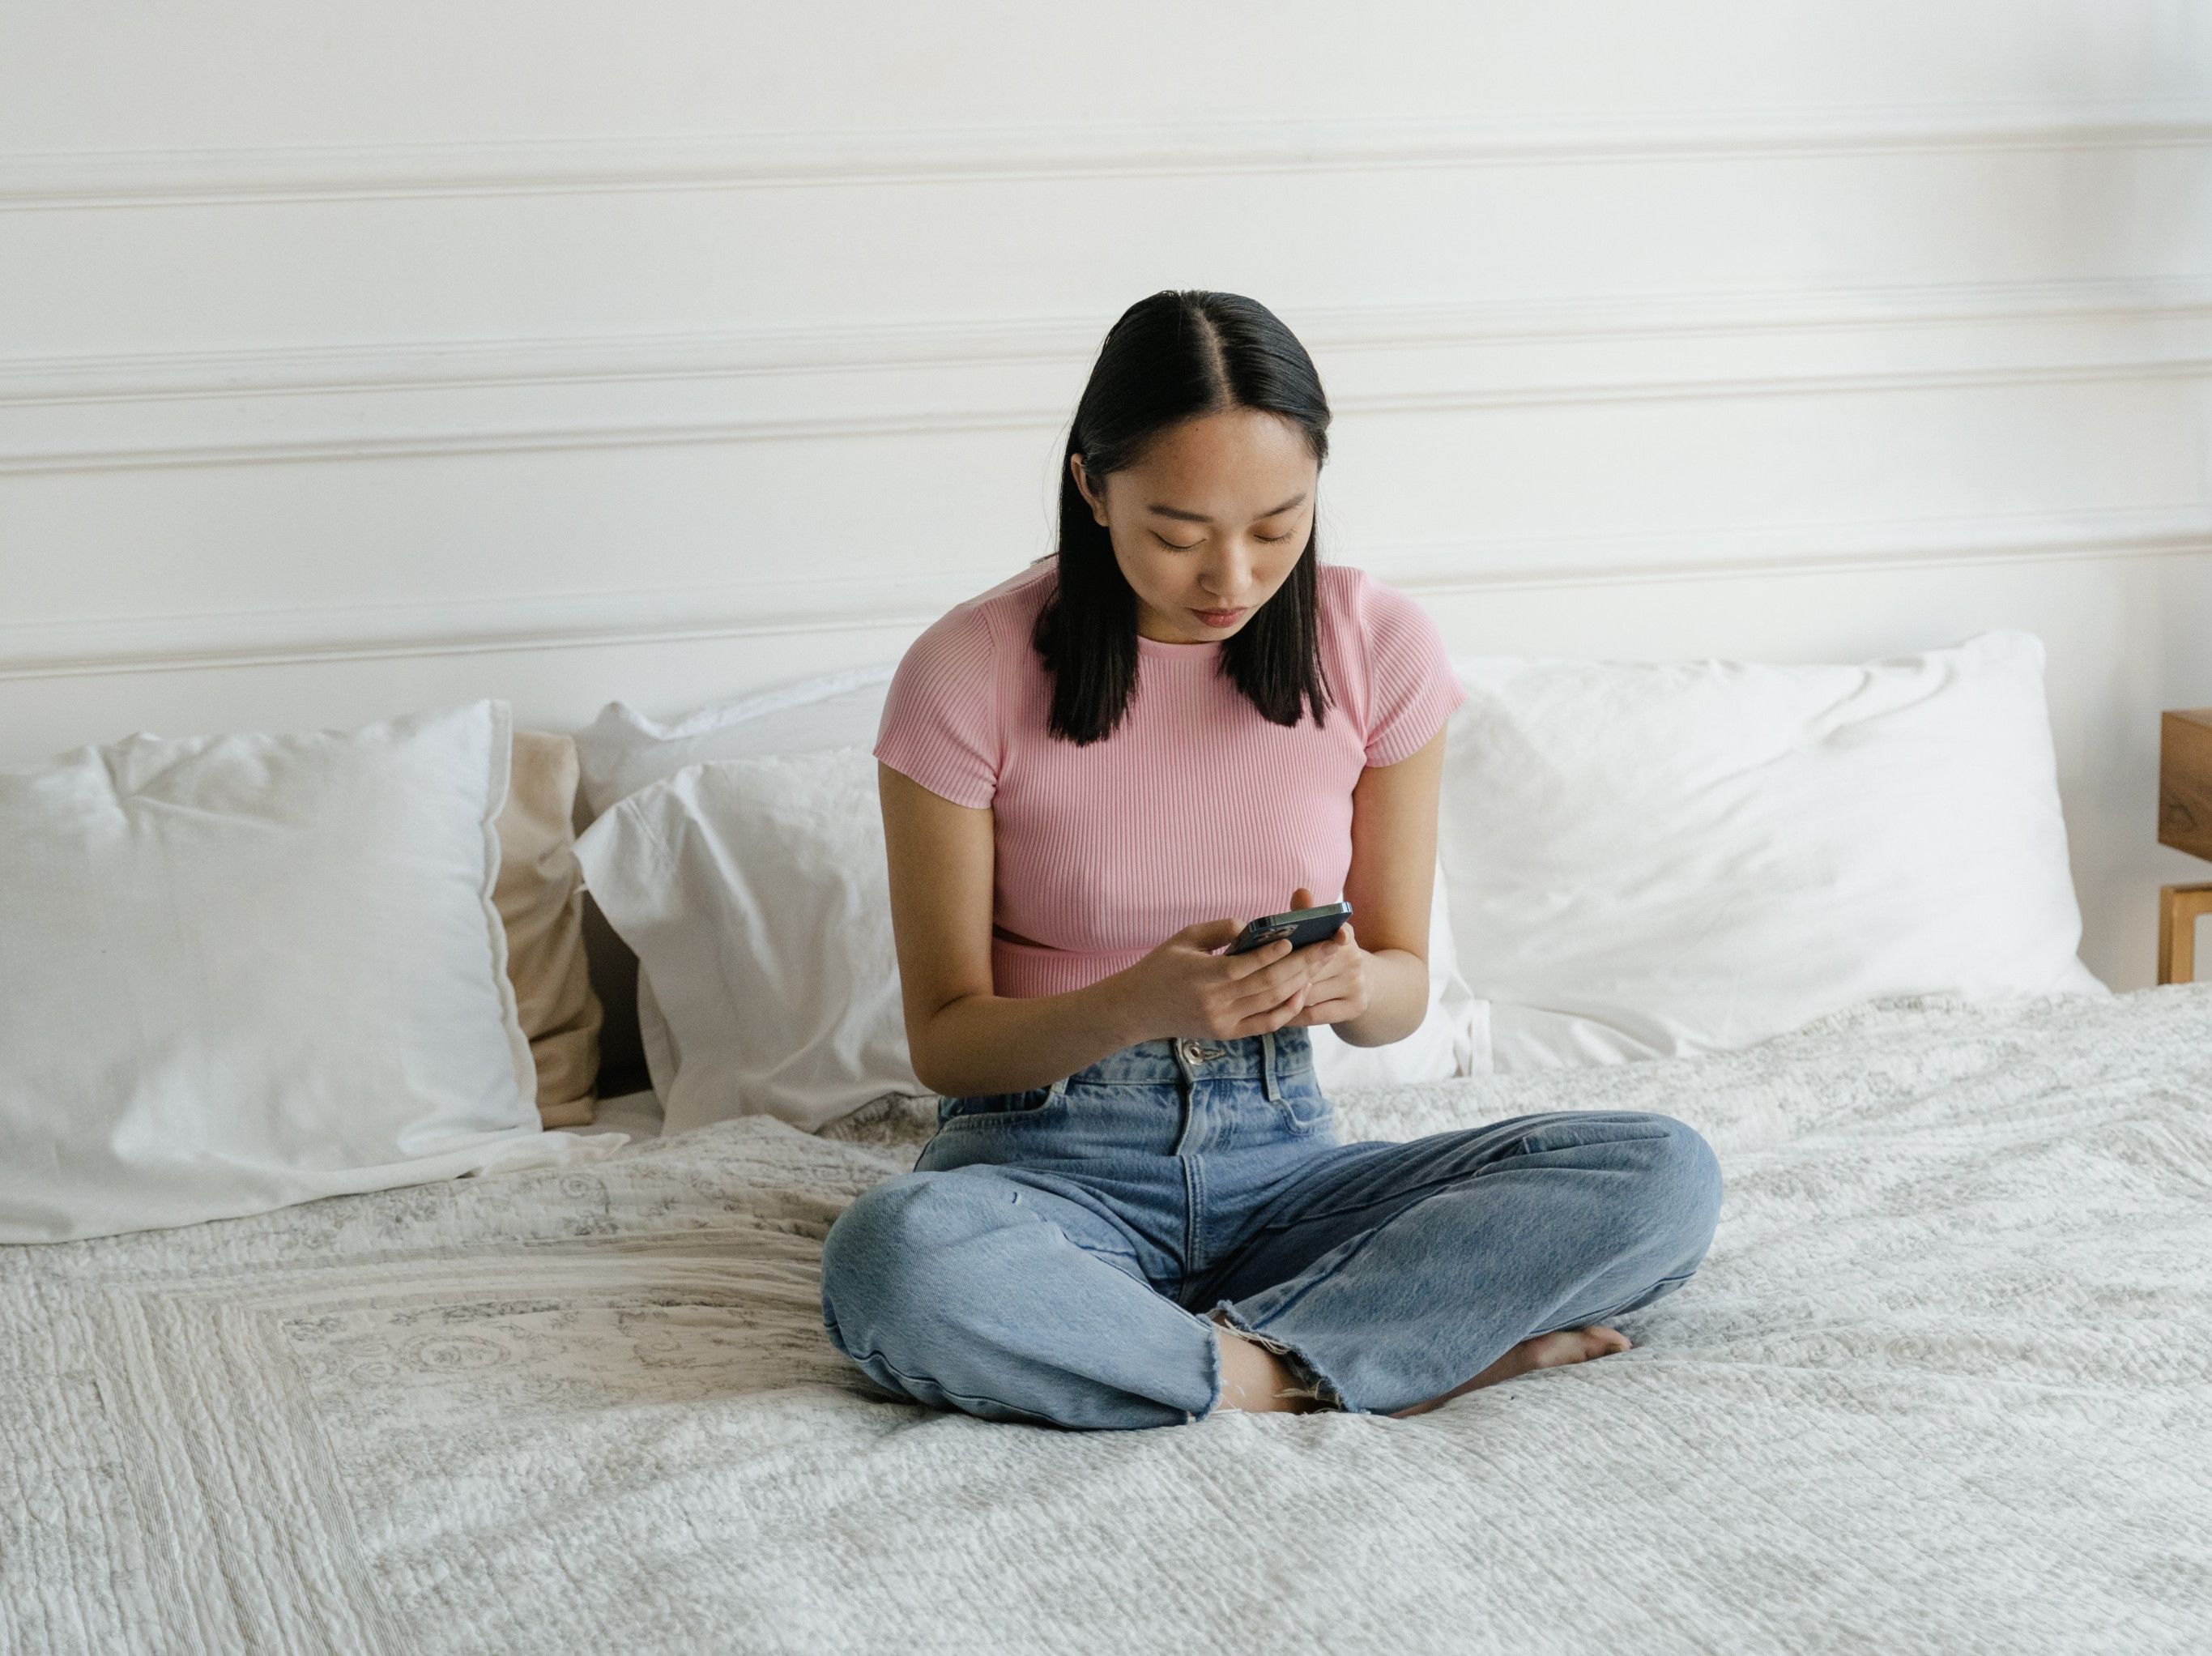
(1082, 482)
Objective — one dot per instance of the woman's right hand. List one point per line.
(1183, 989)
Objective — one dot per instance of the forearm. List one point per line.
(1397, 1000)
(997, 1044)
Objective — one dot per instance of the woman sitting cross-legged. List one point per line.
(1136, 1210)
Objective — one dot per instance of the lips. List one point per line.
(1218, 618)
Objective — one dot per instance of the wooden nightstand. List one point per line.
(2184, 822)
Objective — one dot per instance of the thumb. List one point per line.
(1210, 934)
(1302, 898)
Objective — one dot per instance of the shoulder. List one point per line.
(1405, 684)
(1379, 620)
(976, 630)
(940, 723)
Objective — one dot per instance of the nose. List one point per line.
(1226, 578)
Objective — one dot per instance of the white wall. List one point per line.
(357, 361)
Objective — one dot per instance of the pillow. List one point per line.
(1450, 1042)
(755, 894)
(1649, 860)
(623, 750)
(248, 971)
(540, 899)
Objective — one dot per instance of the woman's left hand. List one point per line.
(1337, 989)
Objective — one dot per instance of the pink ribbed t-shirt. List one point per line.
(1195, 809)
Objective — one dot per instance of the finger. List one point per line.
(1313, 961)
(1253, 961)
(1341, 964)
(1335, 956)
(1337, 950)
(1274, 980)
(1320, 991)
(1258, 1024)
(1266, 1002)
(1299, 1009)
(1302, 898)
(1210, 935)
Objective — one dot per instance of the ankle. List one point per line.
(1256, 1377)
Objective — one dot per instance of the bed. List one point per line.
(1944, 1383)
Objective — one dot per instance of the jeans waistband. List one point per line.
(1263, 1057)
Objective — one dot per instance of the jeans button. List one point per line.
(1193, 1053)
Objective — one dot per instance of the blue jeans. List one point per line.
(1054, 1254)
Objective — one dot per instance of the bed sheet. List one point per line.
(637, 1114)
(1944, 1383)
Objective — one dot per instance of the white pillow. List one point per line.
(1451, 1041)
(1651, 858)
(755, 894)
(243, 972)
(623, 750)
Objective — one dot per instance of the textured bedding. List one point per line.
(1944, 1383)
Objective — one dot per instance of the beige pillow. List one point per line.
(539, 897)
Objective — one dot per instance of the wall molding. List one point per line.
(923, 423)
(423, 365)
(260, 638)
(426, 398)
(108, 179)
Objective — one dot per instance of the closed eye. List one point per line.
(1182, 547)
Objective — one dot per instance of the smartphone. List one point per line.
(1301, 925)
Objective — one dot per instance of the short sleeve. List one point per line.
(940, 718)
(1412, 688)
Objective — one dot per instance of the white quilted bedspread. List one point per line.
(1943, 1384)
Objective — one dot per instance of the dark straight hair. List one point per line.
(1178, 354)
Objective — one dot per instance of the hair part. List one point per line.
(1179, 355)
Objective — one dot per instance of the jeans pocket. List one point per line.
(1000, 1109)
(1305, 1108)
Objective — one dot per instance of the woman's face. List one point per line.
(1210, 522)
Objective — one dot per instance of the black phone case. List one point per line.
(1301, 933)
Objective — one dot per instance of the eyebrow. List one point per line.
(1200, 517)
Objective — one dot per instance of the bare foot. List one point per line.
(1561, 1346)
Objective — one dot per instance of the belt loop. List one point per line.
(1267, 1066)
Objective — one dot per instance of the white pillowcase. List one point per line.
(243, 972)
(623, 750)
(1453, 1038)
(755, 895)
(1651, 858)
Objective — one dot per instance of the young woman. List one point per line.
(1135, 1209)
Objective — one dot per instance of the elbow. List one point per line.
(923, 1063)
(934, 1068)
